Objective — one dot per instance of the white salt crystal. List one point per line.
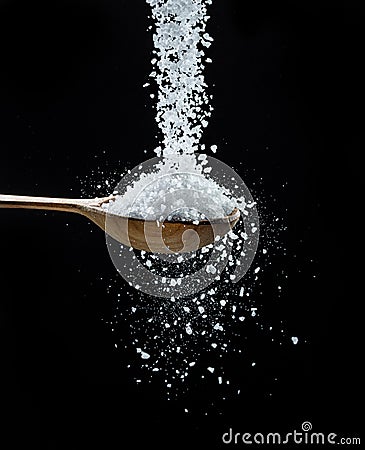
(295, 340)
(242, 290)
(145, 355)
(188, 329)
(211, 369)
(211, 269)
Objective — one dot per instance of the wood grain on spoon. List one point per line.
(147, 235)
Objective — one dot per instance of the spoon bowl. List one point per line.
(147, 235)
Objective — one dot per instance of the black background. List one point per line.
(72, 103)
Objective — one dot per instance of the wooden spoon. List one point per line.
(147, 235)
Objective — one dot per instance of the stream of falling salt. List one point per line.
(173, 338)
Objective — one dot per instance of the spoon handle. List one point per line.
(45, 203)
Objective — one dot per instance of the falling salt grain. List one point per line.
(295, 340)
(211, 269)
(145, 355)
(211, 369)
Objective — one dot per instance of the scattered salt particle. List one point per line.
(223, 302)
(295, 340)
(192, 364)
(167, 325)
(211, 369)
(242, 290)
(186, 309)
(168, 385)
(145, 355)
(211, 269)
(188, 329)
(242, 318)
(264, 251)
(201, 309)
(214, 345)
(253, 364)
(257, 270)
(214, 148)
(186, 410)
(232, 277)
(180, 259)
(220, 380)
